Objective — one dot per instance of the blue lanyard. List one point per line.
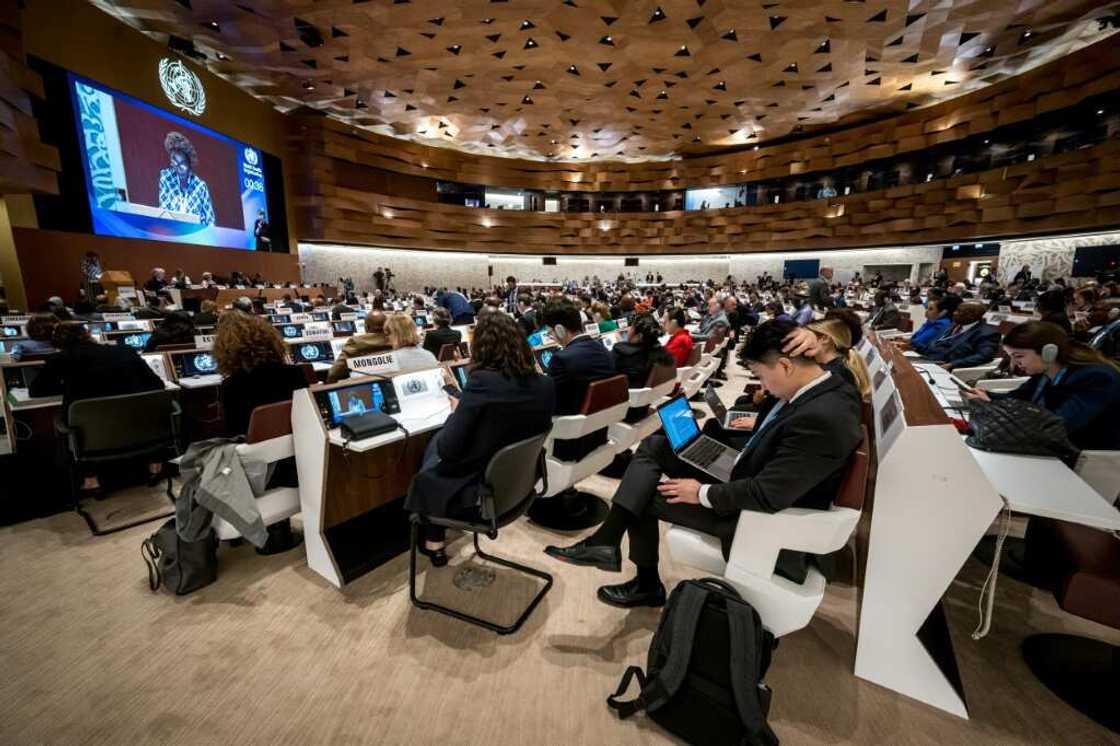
(1044, 383)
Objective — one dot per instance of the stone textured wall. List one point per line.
(1048, 258)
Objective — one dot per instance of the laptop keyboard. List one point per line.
(705, 452)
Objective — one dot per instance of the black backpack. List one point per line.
(705, 669)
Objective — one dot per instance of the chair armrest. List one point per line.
(760, 536)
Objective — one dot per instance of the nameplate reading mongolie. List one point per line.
(380, 363)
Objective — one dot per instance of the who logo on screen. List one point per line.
(181, 86)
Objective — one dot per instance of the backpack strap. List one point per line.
(746, 666)
(686, 615)
(626, 709)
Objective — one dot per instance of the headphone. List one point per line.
(1049, 353)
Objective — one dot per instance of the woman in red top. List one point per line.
(680, 341)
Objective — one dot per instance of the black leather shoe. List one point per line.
(582, 553)
(629, 595)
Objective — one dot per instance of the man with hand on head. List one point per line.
(795, 458)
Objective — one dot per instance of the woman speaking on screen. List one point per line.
(180, 188)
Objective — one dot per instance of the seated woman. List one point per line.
(252, 357)
(253, 361)
(680, 339)
(939, 317)
(40, 329)
(505, 401)
(177, 328)
(601, 315)
(443, 334)
(405, 343)
(84, 369)
(1068, 378)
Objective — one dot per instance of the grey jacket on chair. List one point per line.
(216, 480)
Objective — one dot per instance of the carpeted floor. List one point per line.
(272, 654)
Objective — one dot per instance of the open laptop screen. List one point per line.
(679, 423)
(135, 340)
(374, 396)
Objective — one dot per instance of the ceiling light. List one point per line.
(1100, 112)
(214, 25)
(1026, 34)
(756, 147)
(987, 142)
(222, 57)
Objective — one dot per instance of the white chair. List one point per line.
(783, 606)
(660, 383)
(1101, 471)
(605, 404)
(269, 439)
(974, 374)
(688, 371)
(1000, 385)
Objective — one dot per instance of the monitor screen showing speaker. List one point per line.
(154, 175)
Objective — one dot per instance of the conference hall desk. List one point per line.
(935, 498)
(351, 490)
(226, 296)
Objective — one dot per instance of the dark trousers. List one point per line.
(638, 495)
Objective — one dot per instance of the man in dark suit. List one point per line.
(443, 334)
(526, 316)
(968, 342)
(581, 361)
(795, 458)
(511, 294)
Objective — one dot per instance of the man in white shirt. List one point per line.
(796, 457)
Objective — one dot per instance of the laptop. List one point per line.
(135, 340)
(723, 415)
(312, 352)
(690, 445)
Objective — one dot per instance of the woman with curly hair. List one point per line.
(180, 188)
(505, 401)
(254, 362)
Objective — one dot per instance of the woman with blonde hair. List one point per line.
(404, 339)
(253, 361)
(829, 341)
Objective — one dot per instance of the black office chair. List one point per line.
(508, 489)
(117, 428)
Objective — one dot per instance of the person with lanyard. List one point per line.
(795, 458)
(968, 342)
(1068, 378)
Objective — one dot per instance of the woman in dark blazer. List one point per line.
(1068, 378)
(505, 401)
(176, 328)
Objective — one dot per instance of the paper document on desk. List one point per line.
(910, 353)
(23, 396)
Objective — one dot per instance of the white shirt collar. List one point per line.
(815, 382)
(966, 327)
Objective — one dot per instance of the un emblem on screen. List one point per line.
(251, 156)
(181, 86)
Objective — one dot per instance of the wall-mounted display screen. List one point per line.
(154, 175)
(801, 269)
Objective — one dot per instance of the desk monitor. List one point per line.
(11, 330)
(135, 340)
(279, 318)
(343, 327)
(21, 376)
(320, 315)
(544, 358)
(96, 327)
(421, 320)
(335, 405)
(291, 331)
(312, 352)
(193, 364)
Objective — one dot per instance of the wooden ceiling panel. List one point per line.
(609, 80)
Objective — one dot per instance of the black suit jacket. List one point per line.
(493, 412)
(528, 322)
(798, 458)
(435, 339)
(244, 391)
(977, 346)
(574, 368)
(90, 371)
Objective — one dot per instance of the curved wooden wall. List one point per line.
(320, 142)
(1074, 191)
(26, 164)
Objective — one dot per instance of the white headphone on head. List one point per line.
(1049, 353)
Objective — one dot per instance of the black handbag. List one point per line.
(182, 566)
(367, 425)
(1018, 426)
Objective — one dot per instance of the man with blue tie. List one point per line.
(795, 458)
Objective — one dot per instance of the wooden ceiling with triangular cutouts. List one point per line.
(615, 79)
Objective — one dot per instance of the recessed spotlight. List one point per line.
(1100, 112)
(527, 24)
(222, 57)
(756, 147)
(214, 25)
(1026, 34)
(987, 142)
